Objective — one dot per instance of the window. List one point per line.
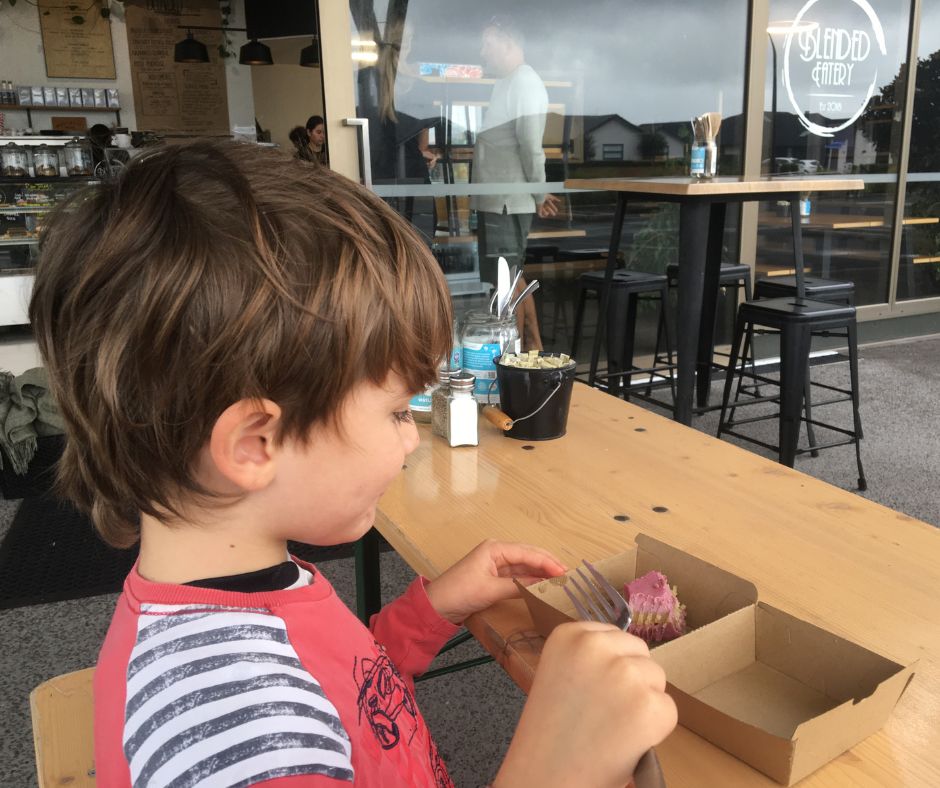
(612, 152)
(826, 59)
(919, 274)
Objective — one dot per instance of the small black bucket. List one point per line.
(537, 400)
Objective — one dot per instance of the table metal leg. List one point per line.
(604, 300)
(706, 333)
(693, 237)
(368, 576)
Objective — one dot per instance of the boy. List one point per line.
(233, 341)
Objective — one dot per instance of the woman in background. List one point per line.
(316, 137)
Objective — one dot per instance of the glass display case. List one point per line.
(27, 195)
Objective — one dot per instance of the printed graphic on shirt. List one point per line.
(388, 707)
(217, 696)
(385, 701)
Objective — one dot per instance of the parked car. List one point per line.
(782, 165)
(809, 166)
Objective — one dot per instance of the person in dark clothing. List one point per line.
(316, 139)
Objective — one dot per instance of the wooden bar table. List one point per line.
(702, 208)
(831, 557)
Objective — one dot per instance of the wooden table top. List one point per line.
(826, 555)
(714, 187)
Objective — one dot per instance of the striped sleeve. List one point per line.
(217, 697)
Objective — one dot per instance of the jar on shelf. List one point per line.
(78, 158)
(14, 160)
(484, 337)
(45, 162)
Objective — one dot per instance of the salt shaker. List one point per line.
(462, 414)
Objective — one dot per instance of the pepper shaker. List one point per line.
(439, 409)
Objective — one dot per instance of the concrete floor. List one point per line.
(472, 713)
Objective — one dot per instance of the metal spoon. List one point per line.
(530, 288)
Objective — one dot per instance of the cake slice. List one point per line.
(657, 614)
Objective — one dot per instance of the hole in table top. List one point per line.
(622, 518)
(527, 447)
(660, 509)
(639, 429)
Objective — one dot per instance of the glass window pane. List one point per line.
(919, 275)
(607, 89)
(834, 102)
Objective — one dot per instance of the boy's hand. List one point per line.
(597, 704)
(485, 576)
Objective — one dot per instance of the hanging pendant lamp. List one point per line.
(310, 55)
(189, 50)
(254, 53)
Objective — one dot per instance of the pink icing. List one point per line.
(657, 613)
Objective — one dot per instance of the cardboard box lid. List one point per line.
(781, 694)
(707, 591)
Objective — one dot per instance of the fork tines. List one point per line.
(600, 601)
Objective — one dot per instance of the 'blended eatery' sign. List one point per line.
(831, 70)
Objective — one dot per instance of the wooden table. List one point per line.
(826, 555)
(702, 208)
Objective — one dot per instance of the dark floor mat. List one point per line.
(52, 553)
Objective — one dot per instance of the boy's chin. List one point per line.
(353, 532)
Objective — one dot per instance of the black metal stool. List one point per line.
(627, 288)
(797, 321)
(815, 288)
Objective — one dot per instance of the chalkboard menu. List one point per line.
(174, 97)
(76, 40)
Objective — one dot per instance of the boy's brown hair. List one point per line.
(207, 274)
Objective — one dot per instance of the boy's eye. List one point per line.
(403, 416)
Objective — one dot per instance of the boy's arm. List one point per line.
(411, 630)
(414, 627)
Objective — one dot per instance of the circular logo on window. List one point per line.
(831, 71)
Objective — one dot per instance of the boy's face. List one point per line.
(327, 492)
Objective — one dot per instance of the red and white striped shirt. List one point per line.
(201, 687)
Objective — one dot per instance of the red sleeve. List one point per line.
(110, 693)
(411, 630)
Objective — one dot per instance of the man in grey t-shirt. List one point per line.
(509, 149)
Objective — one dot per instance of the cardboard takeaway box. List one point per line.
(783, 695)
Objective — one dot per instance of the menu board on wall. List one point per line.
(76, 41)
(169, 97)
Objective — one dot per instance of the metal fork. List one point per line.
(602, 602)
(599, 601)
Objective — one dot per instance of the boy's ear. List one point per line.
(242, 443)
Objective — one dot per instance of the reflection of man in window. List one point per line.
(509, 149)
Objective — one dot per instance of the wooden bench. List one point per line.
(63, 730)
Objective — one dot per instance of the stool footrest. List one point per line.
(751, 439)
